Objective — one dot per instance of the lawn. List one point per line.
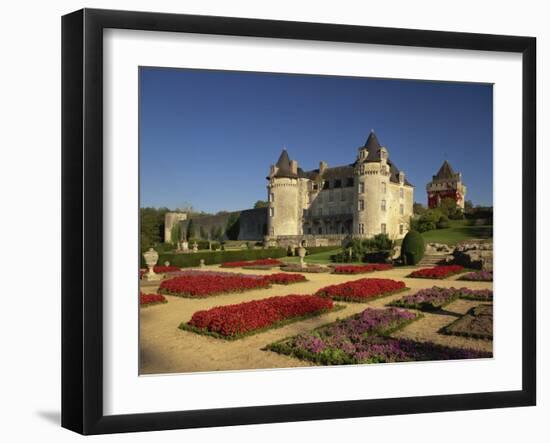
(457, 232)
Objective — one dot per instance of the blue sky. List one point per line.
(207, 138)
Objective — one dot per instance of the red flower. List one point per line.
(437, 271)
(149, 299)
(233, 320)
(363, 289)
(205, 285)
(361, 269)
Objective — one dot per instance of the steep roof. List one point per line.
(446, 171)
(283, 166)
(372, 145)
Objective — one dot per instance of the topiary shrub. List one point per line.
(412, 248)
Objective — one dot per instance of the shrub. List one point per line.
(217, 257)
(361, 269)
(412, 248)
(284, 279)
(151, 299)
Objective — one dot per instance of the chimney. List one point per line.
(322, 166)
(294, 166)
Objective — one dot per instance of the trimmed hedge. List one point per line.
(412, 248)
(216, 257)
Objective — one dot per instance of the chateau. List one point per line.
(446, 184)
(367, 197)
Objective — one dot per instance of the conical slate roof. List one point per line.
(446, 171)
(372, 144)
(283, 166)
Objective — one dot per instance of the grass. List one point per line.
(459, 231)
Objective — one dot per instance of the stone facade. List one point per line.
(361, 199)
(170, 220)
(446, 184)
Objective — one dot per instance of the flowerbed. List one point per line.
(364, 289)
(261, 262)
(478, 276)
(236, 321)
(151, 299)
(437, 272)
(476, 323)
(284, 279)
(436, 298)
(196, 286)
(361, 269)
(363, 338)
(310, 268)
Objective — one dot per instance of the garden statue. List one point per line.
(195, 247)
(201, 264)
(151, 258)
(301, 254)
(166, 263)
(185, 246)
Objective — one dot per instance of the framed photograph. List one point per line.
(269, 221)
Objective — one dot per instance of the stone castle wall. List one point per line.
(170, 220)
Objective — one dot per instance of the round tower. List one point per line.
(371, 189)
(285, 198)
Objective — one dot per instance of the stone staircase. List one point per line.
(432, 260)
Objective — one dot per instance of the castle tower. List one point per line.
(287, 193)
(446, 184)
(371, 186)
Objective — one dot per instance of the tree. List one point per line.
(202, 232)
(448, 206)
(418, 208)
(190, 230)
(468, 206)
(151, 226)
(233, 227)
(261, 204)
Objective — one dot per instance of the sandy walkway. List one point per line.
(164, 348)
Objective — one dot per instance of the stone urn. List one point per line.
(151, 258)
(201, 263)
(195, 247)
(185, 246)
(301, 253)
(166, 263)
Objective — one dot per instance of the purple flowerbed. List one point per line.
(435, 298)
(363, 338)
(478, 276)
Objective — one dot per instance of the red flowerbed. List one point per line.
(361, 290)
(284, 279)
(437, 271)
(235, 320)
(151, 299)
(361, 269)
(259, 262)
(206, 285)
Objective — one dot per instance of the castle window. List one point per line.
(401, 209)
(361, 228)
(349, 182)
(342, 196)
(330, 196)
(383, 187)
(320, 230)
(337, 183)
(315, 187)
(309, 231)
(271, 212)
(400, 192)
(383, 205)
(383, 228)
(326, 184)
(400, 229)
(271, 197)
(361, 205)
(362, 169)
(361, 187)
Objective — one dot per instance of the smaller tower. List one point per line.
(446, 184)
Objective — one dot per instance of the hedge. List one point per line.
(216, 257)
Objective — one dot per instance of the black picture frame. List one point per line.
(82, 218)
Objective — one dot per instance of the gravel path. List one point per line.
(164, 348)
